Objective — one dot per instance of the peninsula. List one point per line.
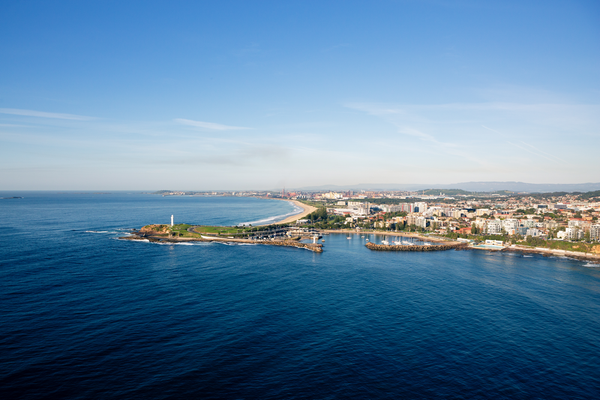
(273, 235)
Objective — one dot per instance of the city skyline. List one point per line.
(263, 95)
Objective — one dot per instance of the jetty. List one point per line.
(425, 247)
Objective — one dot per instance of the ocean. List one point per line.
(85, 315)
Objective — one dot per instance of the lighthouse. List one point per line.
(171, 220)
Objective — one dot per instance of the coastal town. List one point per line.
(559, 216)
(558, 222)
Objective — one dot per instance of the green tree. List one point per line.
(319, 215)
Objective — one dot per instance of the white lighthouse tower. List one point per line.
(171, 220)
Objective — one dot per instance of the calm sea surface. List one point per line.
(83, 315)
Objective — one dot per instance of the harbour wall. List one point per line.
(438, 247)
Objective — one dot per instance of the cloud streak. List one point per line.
(536, 151)
(209, 125)
(43, 114)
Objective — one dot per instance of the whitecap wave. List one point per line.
(138, 240)
(184, 243)
(181, 243)
(236, 244)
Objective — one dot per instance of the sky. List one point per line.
(242, 95)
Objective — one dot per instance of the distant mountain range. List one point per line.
(468, 186)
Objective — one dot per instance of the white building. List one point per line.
(422, 206)
(511, 226)
(391, 207)
(332, 195)
(421, 222)
(493, 227)
(574, 233)
(595, 232)
(534, 232)
(579, 223)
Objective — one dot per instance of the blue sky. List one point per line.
(206, 95)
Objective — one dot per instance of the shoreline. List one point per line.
(306, 209)
(317, 248)
(553, 252)
(513, 248)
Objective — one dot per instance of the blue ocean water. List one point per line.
(84, 315)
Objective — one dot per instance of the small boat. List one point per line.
(348, 238)
(323, 240)
(385, 242)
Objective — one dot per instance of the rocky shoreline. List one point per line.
(315, 247)
(554, 253)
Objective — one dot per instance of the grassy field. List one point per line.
(222, 230)
(181, 230)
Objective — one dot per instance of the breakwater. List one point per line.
(437, 247)
(316, 247)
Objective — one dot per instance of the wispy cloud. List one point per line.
(423, 136)
(535, 151)
(43, 114)
(400, 119)
(14, 126)
(209, 125)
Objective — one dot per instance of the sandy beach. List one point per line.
(306, 210)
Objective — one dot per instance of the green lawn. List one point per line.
(181, 230)
(223, 230)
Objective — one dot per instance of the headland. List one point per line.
(268, 235)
